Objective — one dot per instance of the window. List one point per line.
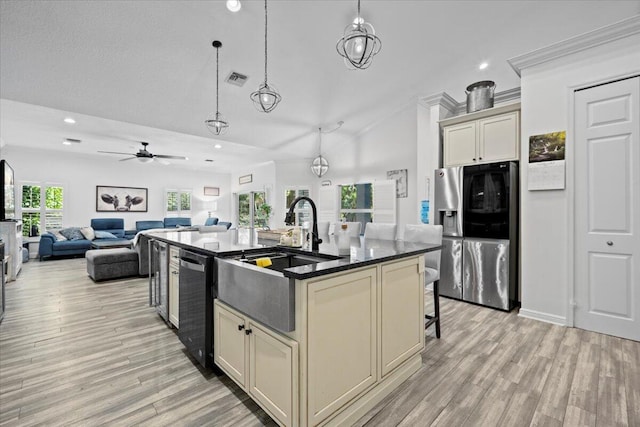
(178, 203)
(356, 203)
(303, 209)
(38, 202)
(251, 211)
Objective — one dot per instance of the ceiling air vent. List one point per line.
(236, 79)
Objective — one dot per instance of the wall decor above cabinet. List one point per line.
(491, 135)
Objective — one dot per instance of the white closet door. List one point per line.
(607, 206)
(384, 201)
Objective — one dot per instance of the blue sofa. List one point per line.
(173, 222)
(50, 246)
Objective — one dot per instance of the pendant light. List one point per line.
(217, 125)
(359, 44)
(266, 98)
(319, 165)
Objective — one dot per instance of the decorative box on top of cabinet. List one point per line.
(486, 136)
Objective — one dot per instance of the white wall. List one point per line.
(81, 173)
(388, 145)
(546, 248)
(292, 174)
(263, 178)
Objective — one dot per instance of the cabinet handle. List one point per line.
(248, 331)
(174, 272)
(474, 159)
(240, 327)
(480, 158)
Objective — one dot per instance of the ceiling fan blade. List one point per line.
(161, 156)
(128, 158)
(115, 152)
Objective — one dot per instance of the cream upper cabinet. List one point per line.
(485, 140)
(262, 362)
(174, 285)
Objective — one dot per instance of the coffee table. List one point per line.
(108, 243)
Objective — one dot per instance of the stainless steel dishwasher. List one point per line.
(197, 292)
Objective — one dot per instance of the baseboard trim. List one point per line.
(543, 317)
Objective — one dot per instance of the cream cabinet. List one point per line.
(358, 335)
(262, 362)
(174, 285)
(342, 339)
(401, 313)
(11, 234)
(485, 140)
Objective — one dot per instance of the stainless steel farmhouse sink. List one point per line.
(263, 293)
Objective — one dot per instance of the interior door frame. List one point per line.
(570, 157)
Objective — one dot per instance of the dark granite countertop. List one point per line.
(210, 243)
(362, 252)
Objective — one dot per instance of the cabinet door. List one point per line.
(342, 331)
(499, 138)
(402, 312)
(174, 295)
(229, 350)
(273, 373)
(460, 144)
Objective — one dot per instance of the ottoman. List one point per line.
(105, 264)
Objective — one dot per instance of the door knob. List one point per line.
(610, 243)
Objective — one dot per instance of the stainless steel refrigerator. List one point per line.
(478, 208)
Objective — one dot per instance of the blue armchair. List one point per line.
(226, 224)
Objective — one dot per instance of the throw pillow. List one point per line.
(72, 233)
(59, 237)
(88, 233)
(104, 235)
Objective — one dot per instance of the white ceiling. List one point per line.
(145, 70)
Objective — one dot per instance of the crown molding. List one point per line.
(442, 98)
(459, 108)
(621, 29)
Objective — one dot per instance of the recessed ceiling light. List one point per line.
(69, 120)
(218, 146)
(234, 5)
(483, 65)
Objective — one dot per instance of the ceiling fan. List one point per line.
(144, 156)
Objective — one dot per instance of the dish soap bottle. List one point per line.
(344, 240)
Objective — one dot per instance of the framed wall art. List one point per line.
(245, 179)
(121, 199)
(211, 191)
(400, 176)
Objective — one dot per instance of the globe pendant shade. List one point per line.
(266, 98)
(218, 125)
(319, 166)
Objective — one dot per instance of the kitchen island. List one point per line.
(353, 327)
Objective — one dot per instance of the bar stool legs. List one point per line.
(429, 319)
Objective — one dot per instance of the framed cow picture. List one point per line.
(121, 199)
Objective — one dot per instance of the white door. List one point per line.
(607, 206)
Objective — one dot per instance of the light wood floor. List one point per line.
(73, 352)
